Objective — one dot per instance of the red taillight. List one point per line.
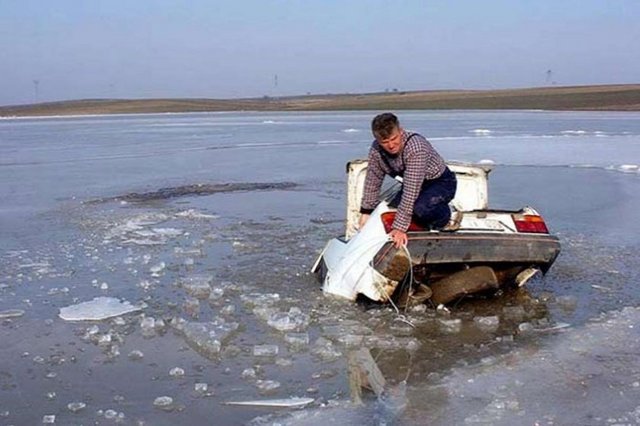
(389, 217)
(530, 223)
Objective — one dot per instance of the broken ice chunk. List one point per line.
(164, 403)
(188, 252)
(525, 327)
(110, 414)
(136, 355)
(176, 372)
(297, 339)
(75, 407)
(567, 302)
(192, 307)
(488, 324)
(49, 419)
(215, 295)
(168, 232)
(260, 299)
(351, 339)
(98, 309)
(285, 403)
(450, 326)
(265, 350)
(325, 350)
(198, 286)
(147, 325)
(207, 337)
(284, 362)
(248, 374)
(264, 312)
(228, 310)
(267, 386)
(194, 214)
(289, 321)
(201, 388)
(11, 313)
(515, 313)
(157, 269)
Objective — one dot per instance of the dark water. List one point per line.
(287, 171)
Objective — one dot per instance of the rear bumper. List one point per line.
(441, 249)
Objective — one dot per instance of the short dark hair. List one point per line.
(384, 124)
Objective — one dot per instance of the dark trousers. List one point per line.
(431, 209)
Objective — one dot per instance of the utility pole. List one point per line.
(35, 89)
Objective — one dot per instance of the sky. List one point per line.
(74, 49)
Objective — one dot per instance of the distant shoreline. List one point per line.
(573, 98)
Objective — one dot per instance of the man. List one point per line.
(428, 184)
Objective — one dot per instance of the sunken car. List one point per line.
(481, 251)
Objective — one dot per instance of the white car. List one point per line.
(483, 250)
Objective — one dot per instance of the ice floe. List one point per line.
(481, 132)
(100, 308)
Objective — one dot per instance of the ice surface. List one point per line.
(100, 308)
(576, 377)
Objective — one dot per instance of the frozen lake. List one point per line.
(245, 201)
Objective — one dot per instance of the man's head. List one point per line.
(387, 131)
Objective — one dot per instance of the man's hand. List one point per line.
(363, 220)
(399, 238)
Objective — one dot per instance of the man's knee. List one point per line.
(433, 214)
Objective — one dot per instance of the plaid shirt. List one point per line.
(418, 161)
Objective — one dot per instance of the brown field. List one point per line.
(578, 98)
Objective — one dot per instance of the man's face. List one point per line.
(393, 143)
